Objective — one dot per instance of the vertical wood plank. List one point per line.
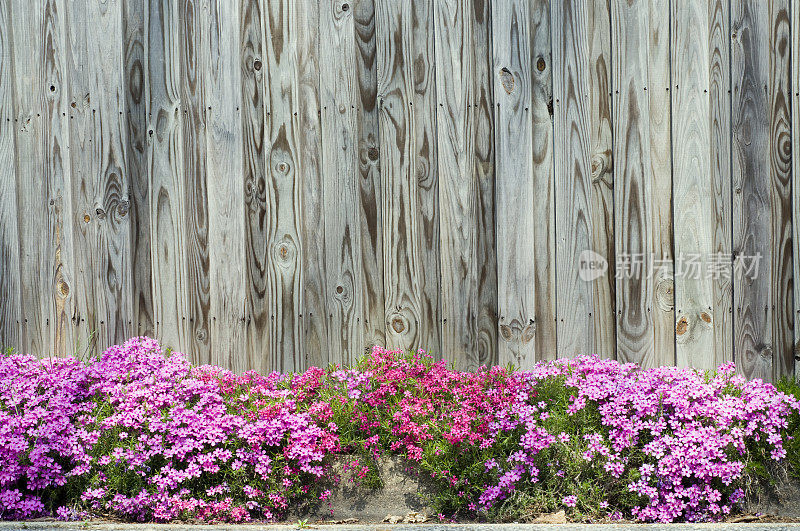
(46, 265)
(194, 51)
(693, 209)
(719, 93)
(643, 184)
(133, 20)
(99, 178)
(259, 197)
(482, 106)
(34, 231)
(350, 155)
(761, 179)
(780, 153)
(583, 176)
(284, 172)
(313, 312)
(458, 188)
(795, 105)
(515, 196)
(225, 187)
(370, 181)
(165, 172)
(10, 294)
(408, 162)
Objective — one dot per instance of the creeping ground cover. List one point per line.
(143, 435)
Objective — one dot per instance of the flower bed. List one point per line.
(148, 437)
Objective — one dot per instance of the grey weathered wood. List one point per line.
(693, 185)
(133, 21)
(339, 94)
(643, 184)
(515, 189)
(761, 180)
(795, 105)
(583, 175)
(458, 186)
(165, 173)
(224, 148)
(194, 52)
(10, 330)
(259, 66)
(285, 188)
(370, 179)
(482, 106)
(313, 311)
(408, 160)
(32, 188)
(720, 173)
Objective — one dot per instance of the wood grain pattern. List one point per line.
(780, 160)
(482, 106)
(224, 148)
(761, 179)
(194, 49)
(285, 188)
(719, 91)
(165, 171)
(693, 185)
(795, 105)
(515, 197)
(313, 312)
(260, 34)
(32, 188)
(544, 206)
(108, 204)
(370, 179)
(133, 20)
(458, 187)
(643, 190)
(339, 94)
(584, 181)
(406, 119)
(10, 288)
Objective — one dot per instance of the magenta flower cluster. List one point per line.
(147, 436)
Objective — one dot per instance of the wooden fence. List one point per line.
(270, 184)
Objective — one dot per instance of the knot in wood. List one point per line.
(398, 325)
(682, 327)
(257, 64)
(100, 213)
(86, 218)
(122, 208)
(507, 79)
(540, 64)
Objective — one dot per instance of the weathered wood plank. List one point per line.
(257, 62)
(194, 51)
(515, 196)
(761, 179)
(482, 106)
(408, 161)
(165, 172)
(350, 155)
(795, 105)
(10, 288)
(284, 172)
(780, 159)
(643, 184)
(544, 206)
(133, 20)
(720, 127)
(370, 188)
(693, 208)
(224, 147)
(458, 187)
(313, 312)
(583, 176)
(34, 230)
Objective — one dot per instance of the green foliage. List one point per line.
(792, 444)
